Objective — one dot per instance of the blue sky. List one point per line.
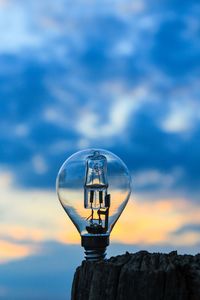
(119, 75)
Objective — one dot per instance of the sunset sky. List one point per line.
(120, 75)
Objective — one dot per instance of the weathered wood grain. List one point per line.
(139, 276)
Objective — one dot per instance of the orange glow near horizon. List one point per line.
(144, 222)
(10, 251)
(39, 217)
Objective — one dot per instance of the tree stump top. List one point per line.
(139, 276)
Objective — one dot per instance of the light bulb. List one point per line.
(94, 186)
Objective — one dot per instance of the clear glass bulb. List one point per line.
(93, 187)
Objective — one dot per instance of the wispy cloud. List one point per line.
(34, 216)
(12, 251)
(70, 86)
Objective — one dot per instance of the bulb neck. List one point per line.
(95, 246)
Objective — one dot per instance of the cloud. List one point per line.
(118, 116)
(187, 228)
(10, 251)
(6, 179)
(18, 33)
(150, 180)
(41, 218)
(182, 117)
(39, 164)
(126, 80)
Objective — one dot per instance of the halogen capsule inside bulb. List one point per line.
(96, 197)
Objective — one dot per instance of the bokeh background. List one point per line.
(120, 75)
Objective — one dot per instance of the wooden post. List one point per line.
(139, 276)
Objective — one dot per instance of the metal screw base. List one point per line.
(95, 254)
(95, 246)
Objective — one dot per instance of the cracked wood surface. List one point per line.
(139, 276)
